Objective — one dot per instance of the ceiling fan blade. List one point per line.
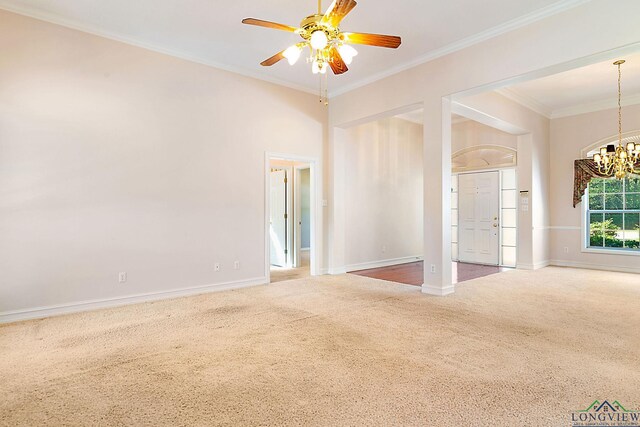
(379, 40)
(273, 60)
(336, 62)
(268, 24)
(337, 11)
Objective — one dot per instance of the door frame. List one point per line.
(315, 184)
(499, 170)
(297, 209)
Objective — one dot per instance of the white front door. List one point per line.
(278, 218)
(478, 210)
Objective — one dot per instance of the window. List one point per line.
(613, 214)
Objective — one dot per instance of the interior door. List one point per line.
(278, 218)
(478, 210)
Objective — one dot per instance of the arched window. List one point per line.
(612, 207)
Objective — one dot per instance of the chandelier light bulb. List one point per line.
(323, 68)
(292, 54)
(315, 68)
(319, 40)
(347, 53)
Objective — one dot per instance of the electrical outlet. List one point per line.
(216, 266)
(236, 265)
(433, 268)
(566, 250)
(122, 277)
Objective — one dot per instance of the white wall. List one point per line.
(114, 158)
(569, 136)
(383, 193)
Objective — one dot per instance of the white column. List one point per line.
(437, 198)
(337, 202)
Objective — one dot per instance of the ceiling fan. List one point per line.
(328, 45)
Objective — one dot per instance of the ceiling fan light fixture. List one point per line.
(292, 53)
(347, 53)
(319, 40)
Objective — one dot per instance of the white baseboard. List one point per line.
(535, 266)
(336, 271)
(438, 291)
(591, 266)
(382, 263)
(57, 310)
(305, 249)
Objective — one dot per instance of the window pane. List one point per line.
(633, 185)
(509, 257)
(454, 251)
(631, 221)
(632, 230)
(509, 179)
(613, 186)
(454, 183)
(596, 186)
(509, 236)
(509, 199)
(613, 202)
(454, 201)
(596, 201)
(596, 236)
(613, 223)
(509, 218)
(454, 234)
(454, 217)
(633, 201)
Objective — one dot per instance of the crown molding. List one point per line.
(506, 27)
(526, 101)
(593, 107)
(54, 19)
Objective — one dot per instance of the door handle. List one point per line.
(495, 225)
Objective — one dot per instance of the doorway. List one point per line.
(479, 214)
(290, 218)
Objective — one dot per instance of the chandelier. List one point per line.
(620, 160)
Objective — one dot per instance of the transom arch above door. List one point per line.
(483, 157)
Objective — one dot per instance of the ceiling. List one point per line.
(581, 90)
(210, 32)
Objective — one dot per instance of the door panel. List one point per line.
(277, 220)
(478, 208)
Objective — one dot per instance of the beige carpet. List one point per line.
(279, 274)
(516, 348)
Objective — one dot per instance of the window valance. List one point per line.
(584, 171)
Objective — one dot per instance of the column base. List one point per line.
(438, 291)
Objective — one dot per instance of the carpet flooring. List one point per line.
(515, 348)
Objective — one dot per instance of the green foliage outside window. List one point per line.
(614, 213)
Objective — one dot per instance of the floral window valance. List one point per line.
(584, 171)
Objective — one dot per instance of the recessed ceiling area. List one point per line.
(581, 90)
(211, 32)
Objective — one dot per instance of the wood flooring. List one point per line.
(413, 273)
